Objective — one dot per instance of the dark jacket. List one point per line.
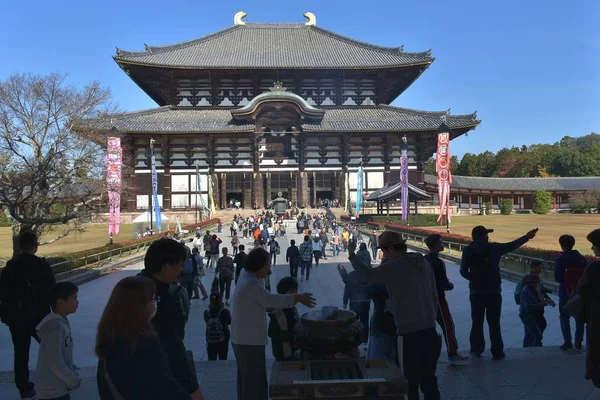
(379, 294)
(566, 259)
(530, 302)
(143, 375)
(20, 271)
(356, 293)
(192, 259)
(225, 318)
(589, 289)
(323, 237)
(281, 338)
(439, 271)
(170, 326)
(239, 260)
(292, 255)
(480, 249)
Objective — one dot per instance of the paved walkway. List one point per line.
(542, 373)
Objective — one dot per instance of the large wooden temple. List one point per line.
(267, 108)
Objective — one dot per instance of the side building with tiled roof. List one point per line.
(268, 108)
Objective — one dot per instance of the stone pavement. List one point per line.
(540, 373)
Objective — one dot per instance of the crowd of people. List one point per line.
(140, 336)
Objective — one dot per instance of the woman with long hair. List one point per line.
(217, 319)
(132, 363)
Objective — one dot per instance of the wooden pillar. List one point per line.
(130, 191)
(268, 194)
(257, 178)
(302, 188)
(292, 190)
(554, 200)
(345, 150)
(216, 188)
(314, 188)
(247, 189)
(387, 155)
(163, 145)
(223, 190)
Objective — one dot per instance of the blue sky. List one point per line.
(531, 68)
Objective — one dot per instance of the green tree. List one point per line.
(542, 202)
(506, 206)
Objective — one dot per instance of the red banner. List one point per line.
(444, 175)
(114, 165)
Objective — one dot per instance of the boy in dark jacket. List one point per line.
(444, 317)
(163, 264)
(282, 322)
(26, 279)
(568, 269)
(530, 309)
(480, 265)
(239, 260)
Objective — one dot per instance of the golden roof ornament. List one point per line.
(311, 19)
(238, 18)
(278, 87)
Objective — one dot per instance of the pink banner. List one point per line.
(444, 175)
(114, 165)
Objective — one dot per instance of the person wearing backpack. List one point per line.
(226, 271)
(568, 270)
(480, 265)
(274, 250)
(24, 286)
(217, 319)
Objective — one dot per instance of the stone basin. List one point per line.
(328, 330)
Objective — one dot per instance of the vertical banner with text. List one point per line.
(157, 213)
(404, 177)
(444, 175)
(114, 166)
(359, 188)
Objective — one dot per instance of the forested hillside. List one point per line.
(568, 157)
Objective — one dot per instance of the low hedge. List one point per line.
(104, 252)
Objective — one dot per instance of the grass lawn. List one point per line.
(95, 235)
(509, 227)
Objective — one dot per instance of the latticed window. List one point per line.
(323, 179)
(280, 181)
(234, 181)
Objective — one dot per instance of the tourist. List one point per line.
(531, 311)
(274, 250)
(336, 243)
(480, 266)
(300, 225)
(589, 290)
(239, 260)
(277, 229)
(219, 226)
(324, 240)
(226, 272)
(249, 329)
(20, 273)
(568, 270)
(282, 322)
(355, 292)
(215, 242)
(316, 249)
(363, 254)
(55, 374)
(306, 254)
(235, 242)
(217, 319)
(163, 264)
(292, 256)
(444, 317)
(132, 362)
(373, 243)
(234, 227)
(536, 268)
(198, 278)
(411, 287)
(189, 272)
(345, 239)
(180, 294)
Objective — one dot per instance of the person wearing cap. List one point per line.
(480, 265)
(589, 289)
(412, 291)
(530, 308)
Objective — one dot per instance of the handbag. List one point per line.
(215, 285)
(575, 307)
(111, 386)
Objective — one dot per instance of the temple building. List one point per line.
(267, 107)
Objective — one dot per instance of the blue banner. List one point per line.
(359, 189)
(157, 214)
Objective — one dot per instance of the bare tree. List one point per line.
(45, 168)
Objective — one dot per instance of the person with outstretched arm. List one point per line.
(480, 265)
(411, 286)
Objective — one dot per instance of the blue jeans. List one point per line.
(540, 321)
(336, 250)
(305, 265)
(565, 324)
(381, 347)
(532, 330)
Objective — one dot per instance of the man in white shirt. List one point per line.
(249, 323)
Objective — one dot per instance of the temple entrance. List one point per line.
(235, 199)
(324, 195)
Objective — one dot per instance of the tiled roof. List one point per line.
(274, 46)
(351, 119)
(392, 191)
(521, 184)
